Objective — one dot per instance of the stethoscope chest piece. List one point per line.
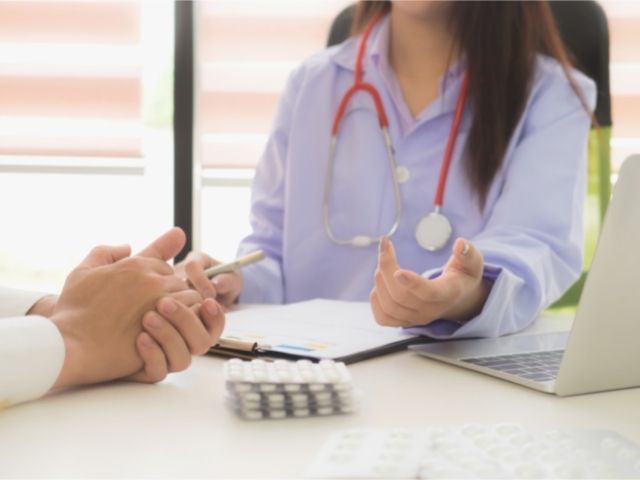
(433, 231)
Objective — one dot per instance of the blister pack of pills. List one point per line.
(259, 389)
(477, 451)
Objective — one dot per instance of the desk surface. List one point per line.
(182, 428)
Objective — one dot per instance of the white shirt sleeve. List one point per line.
(17, 302)
(31, 356)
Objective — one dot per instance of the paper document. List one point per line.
(322, 329)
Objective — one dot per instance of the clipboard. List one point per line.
(314, 330)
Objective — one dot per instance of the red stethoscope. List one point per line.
(434, 229)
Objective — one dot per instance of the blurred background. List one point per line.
(86, 113)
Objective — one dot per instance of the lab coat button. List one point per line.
(403, 174)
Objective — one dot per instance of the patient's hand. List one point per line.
(173, 333)
(100, 315)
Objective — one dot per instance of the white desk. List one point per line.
(181, 427)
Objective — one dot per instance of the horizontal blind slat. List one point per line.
(246, 52)
(86, 21)
(224, 112)
(55, 96)
(626, 116)
(71, 78)
(624, 39)
(239, 38)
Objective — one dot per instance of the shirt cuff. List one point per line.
(15, 302)
(252, 290)
(32, 353)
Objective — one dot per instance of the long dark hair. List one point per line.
(500, 40)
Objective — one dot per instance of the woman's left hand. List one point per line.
(402, 298)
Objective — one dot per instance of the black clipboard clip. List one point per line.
(236, 347)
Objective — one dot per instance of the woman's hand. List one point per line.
(224, 288)
(404, 298)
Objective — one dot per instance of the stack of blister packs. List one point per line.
(260, 389)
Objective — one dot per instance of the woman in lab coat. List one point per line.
(479, 217)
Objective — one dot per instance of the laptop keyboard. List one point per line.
(537, 366)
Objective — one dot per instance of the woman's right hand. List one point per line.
(224, 288)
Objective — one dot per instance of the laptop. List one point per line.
(602, 349)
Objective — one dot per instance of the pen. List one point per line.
(235, 264)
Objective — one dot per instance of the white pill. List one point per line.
(251, 396)
(252, 414)
(242, 387)
(319, 396)
(342, 386)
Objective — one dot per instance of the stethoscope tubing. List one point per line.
(357, 86)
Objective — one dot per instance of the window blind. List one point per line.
(624, 22)
(247, 50)
(70, 78)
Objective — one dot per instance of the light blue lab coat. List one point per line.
(530, 232)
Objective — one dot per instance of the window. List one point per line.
(85, 139)
(624, 20)
(247, 49)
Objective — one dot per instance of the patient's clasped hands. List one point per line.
(130, 317)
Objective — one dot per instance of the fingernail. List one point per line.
(402, 278)
(154, 321)
(210, 292)
(212, 307)
(465, 249)
(168, 306)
